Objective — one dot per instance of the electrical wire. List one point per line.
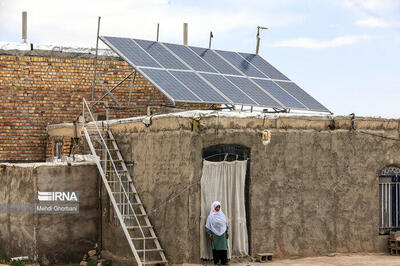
(377, 135)
(353, 116)
(177, 195)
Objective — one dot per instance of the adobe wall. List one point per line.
(313, 191)
(50, 238)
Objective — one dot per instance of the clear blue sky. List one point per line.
(345, 53)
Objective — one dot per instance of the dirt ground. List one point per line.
(342, 260)
(334, 260)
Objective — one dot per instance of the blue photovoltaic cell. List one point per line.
(240, 63)
(170, 85)
(132, 52)
(302, 96)
(199, 87)
(225, 77)
(254, 92)
(159, 53)
(228, 89)
(264, 66)
(190, 57)
(279, 94)
(213, 59)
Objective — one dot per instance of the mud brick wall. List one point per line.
(38, 88)
(53, 239)
(312, 190)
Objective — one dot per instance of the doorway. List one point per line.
(226, 172)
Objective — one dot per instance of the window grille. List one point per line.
(389, 200)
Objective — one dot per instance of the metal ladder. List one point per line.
(128, 208)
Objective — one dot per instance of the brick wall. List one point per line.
(41, 87)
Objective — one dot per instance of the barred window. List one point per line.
(389, 199)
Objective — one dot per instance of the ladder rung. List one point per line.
(106, 149)
(122, 192)
(115, 177)
(155, 262)
(133, 203)
(149, 250)
(106, 139)
(94, 132)
(144, 238)
(122, 171)
(137, 227)
(119, 171)
(117, 181)
(132, 215)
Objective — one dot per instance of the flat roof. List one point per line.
(174, 121)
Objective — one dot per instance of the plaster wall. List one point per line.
(48, 238)
(313, 190)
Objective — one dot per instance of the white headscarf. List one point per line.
(216, 221)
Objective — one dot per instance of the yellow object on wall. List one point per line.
(266, 136)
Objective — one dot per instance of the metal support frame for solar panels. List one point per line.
(230, 107)
(109, 91)
(280, 110)
(97, 79)
(95, 58)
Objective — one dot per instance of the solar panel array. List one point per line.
(201, 75)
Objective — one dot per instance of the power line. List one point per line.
(352, 118)
(377, 135)
(177, 195)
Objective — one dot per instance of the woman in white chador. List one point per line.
(217, 231)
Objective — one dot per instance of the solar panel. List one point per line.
(169, 85)
(199, 87)
(228, 89)
(302, 96)
(262, 98)
(241, 64)
(264, 66)
(279, 94)
(213, 59)
(190, 57)
(130, 51)
(162, 55)
(201, 75)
